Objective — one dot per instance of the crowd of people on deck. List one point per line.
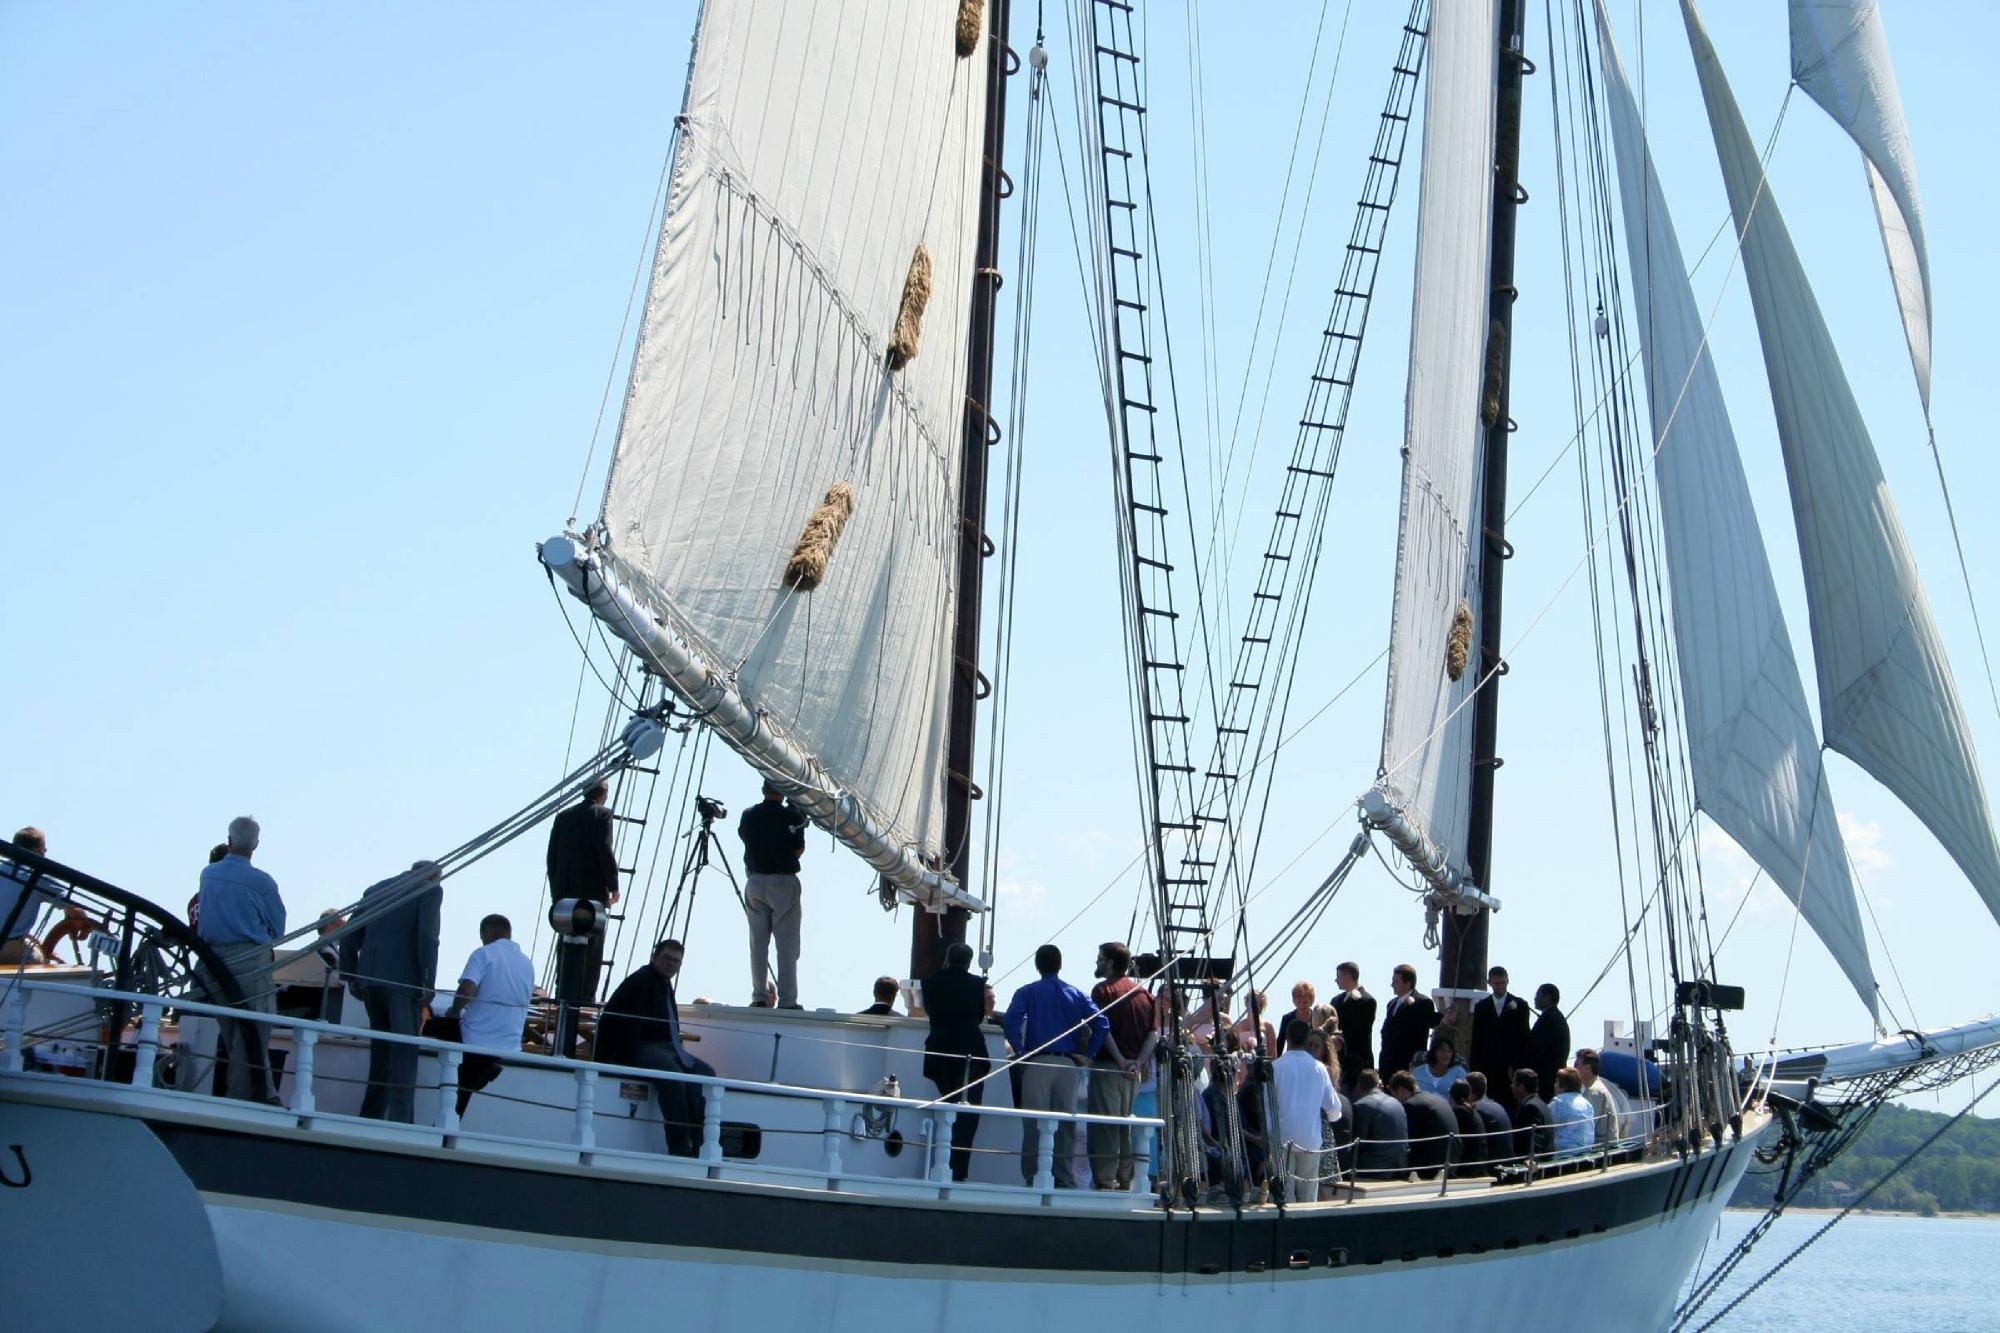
(1336, 1107)
(1293, 1100)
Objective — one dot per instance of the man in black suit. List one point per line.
(1548, 1040)
(1381, 1131)
(1496, 1128)
(1532, 1135)
(1406, 1031)
(641, 1026)
(955, 1051)
(1499, 1034)
(1432, 1124)
(1470, 1158)
(1355, 1010)
(582, 863)
(391, 963)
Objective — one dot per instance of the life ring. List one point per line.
(75, 927)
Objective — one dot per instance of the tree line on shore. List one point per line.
(1960, 1173)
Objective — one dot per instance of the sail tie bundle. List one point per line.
(1458, 644)
(910, 314)
(1496, 373)
(971, 16)
(822, 531)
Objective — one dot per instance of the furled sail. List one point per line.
(1424, 785)
(1752, 747)
(799, 382)
(1841, 59)
(1886, 696)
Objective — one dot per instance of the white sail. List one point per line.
(1841, 59)
(1752, 748)
(1886, 696)
(820, 148)
(1425, 780)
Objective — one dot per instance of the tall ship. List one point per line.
(805, 550)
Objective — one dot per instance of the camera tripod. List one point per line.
(697, 860)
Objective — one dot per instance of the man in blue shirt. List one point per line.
(1054, 1028)
(1571, 1116)
(22, 898)
(241, 914)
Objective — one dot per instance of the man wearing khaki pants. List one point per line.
(774, 834)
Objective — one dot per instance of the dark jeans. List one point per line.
(392, 1065)
(963, 1084)
(582, 991)
(680, 1103)
(474, 1073)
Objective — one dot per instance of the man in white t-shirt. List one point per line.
(494, 990)
(1306, 1103)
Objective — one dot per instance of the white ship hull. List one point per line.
(337, 1228)
(478, 1278)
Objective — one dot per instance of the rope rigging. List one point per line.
(1709, 1285)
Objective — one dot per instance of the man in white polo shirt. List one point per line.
(494, 989)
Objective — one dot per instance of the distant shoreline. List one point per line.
(1880, 1212)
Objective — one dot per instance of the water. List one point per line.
(1868, 1273)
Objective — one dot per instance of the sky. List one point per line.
(313, 310)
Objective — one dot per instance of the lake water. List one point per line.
(1868, 1273)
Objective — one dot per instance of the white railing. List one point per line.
(836, 1104)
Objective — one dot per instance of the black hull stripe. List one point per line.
(814, 1226)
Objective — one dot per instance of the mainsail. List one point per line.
(1841, 59)
(1752, 748)
(1885, 691)
(1422, 789)
(805, 331)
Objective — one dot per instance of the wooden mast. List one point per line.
(1462, 962)
(930, 931)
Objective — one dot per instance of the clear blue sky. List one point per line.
(311, 308)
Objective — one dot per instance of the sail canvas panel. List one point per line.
(1752, 747)
(1841, 59)
(1886, 695)
(822, 148)
(1426, 769)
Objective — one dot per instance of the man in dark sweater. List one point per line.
(641, 1025)
(773, 833)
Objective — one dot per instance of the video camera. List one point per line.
(710, 809)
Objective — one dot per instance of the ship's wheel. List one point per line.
(130, 944)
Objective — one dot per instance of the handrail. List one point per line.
(530, 1059)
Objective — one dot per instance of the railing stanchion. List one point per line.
(448, 1062)
(16, 1029)
(1045, 1153)
(835, 1126)
(586, 1110)
(1142, 1160)
(711, 1123)
(146, 1055)
(305, 1046)
(943, 1117)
